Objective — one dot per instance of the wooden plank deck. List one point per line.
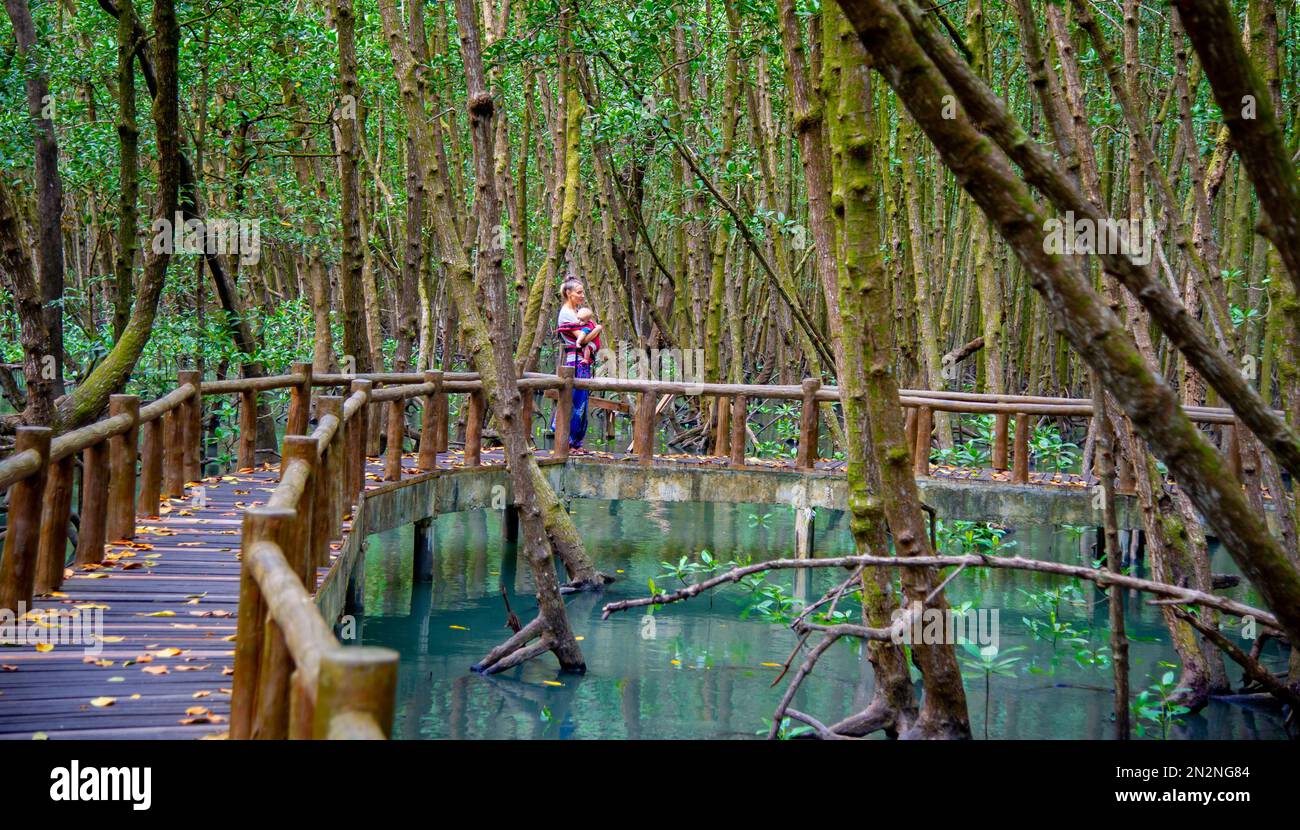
(169, 599)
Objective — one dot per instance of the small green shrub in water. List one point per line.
(1059, 631)
(961, 538)
(772, 604)
(988, 661)
(1156, 705)
(785, 731)
(684, 567)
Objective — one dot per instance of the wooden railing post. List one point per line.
(396, 435)
(331, 483)
(526, 414)
(249, 633)
(909, 426)
(1000, 426)
(563, 413)
(374, 427)
(247, 456)
(55, 512)
(174, 452)
(356, 685)
(301, 549)
(1020, 453)
(809, 424)
(94, 504)
(259, 692)
(474, 429)
(299, 401)
(18, 564)
(739, 416)
(722, 435)
(358, 428)
(441, 408)
(122, 450)
(336, 478)
(428, 422)
(192, 420)
(643, 426)
(319, 496)
(921, 449)
(151, 468)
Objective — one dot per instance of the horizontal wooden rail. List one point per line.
(401, 393)
(166, 403)
(263, 384)
(553, 394)
(353, 403)
(71, 443)
(18, 466)
(291, 606)
(991, 407)
(386, 378)
(325, 430)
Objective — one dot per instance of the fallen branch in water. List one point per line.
(823, 731)
(1103, 578)
(1253, 669)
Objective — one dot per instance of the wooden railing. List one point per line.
(292, 676)
(40, 474)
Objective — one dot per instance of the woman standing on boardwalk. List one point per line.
(575, 334)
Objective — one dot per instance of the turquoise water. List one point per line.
(696, 669)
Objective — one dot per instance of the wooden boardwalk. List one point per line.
(169, 599)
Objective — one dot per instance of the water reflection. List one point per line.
(700, 669)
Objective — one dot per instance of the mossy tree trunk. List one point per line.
(356, 343)
(1091, 328)
(868, 326)
(893, 707)
(487, 332)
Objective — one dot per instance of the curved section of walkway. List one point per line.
(168, 598)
